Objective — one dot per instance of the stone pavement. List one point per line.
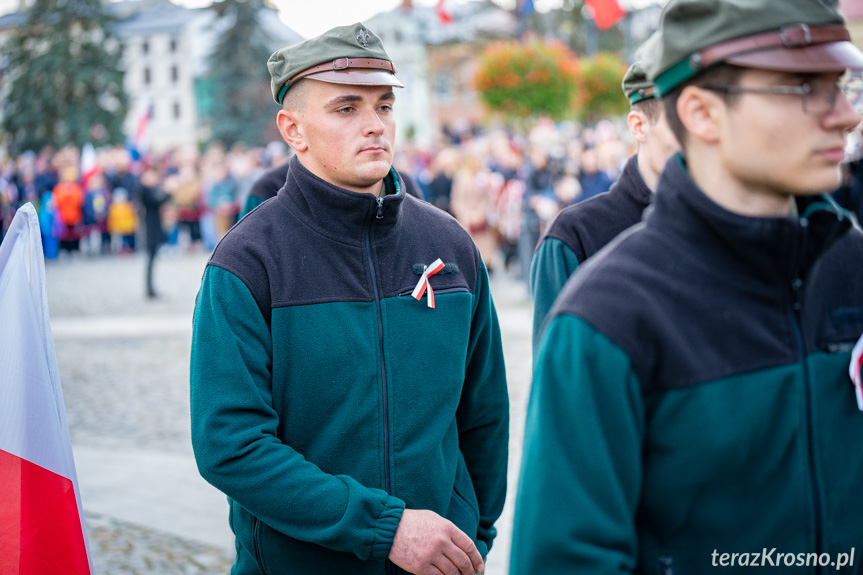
(124, 366)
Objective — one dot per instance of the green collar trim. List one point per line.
(826, 202)
(391, 184)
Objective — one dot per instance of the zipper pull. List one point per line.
(666, 564)
(380, 215)
(796, 285)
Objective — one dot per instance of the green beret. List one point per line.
(343, 55)
(781, 35)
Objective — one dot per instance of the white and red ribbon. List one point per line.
(854, 371)
(424, 284)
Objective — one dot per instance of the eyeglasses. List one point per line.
(819, 96)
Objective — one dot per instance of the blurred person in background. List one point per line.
(97, 202)
(69, 200)
(186, 204)
(539, 187)
(123, 220)
(441, 172)
(472, 203)
(592, 178)
(153, 197)
(222, 198)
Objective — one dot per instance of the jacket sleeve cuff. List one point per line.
(385, 530)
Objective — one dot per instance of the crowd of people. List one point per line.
(504, 188)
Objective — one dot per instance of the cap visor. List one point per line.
(358, 77)
(829, 57)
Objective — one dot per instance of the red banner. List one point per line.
(606, 13)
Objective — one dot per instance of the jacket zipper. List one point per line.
(384, 390)
(256, 538)
(796, 314)
(388, 568)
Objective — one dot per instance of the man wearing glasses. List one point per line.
(692, 406)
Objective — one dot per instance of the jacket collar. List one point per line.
(338, 213)
(631, 184)
(773, 248)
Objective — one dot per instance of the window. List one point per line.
(145, 47)
(175, 74)
(176, 110)
(173, 44)
(146, 76)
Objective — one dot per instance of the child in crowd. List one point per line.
(122, 220)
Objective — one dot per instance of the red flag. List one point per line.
(42, 530)
(442, 13)
(606, 13)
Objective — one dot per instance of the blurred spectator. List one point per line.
(539, 189)
(44, 176)
(50, 226)
(222, 199)
(186, 205)
(593, 180)
(69, 200)
(472, 202)
(123, 220)
(441, 173)
(96, 206)
(152, 199)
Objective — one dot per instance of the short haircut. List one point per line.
(295, 98)
(650, 107)
(720, 75)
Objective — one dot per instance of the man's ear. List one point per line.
(637, 122)
(701, 112)
(291, 130)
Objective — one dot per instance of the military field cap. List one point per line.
(343, 55)
(635, 84)
(785, 36)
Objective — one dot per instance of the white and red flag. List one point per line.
(89, 167)
(42, 529)
(141, 129)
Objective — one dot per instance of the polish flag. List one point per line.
(88, 163)
(443, 13)
(42, 529)
(606, 13)
(141, 130)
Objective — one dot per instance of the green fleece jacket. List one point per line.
(326, 399)
(691, 400)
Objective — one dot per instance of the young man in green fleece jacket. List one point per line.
(691, 407)
(581, 230)
(348, 391)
